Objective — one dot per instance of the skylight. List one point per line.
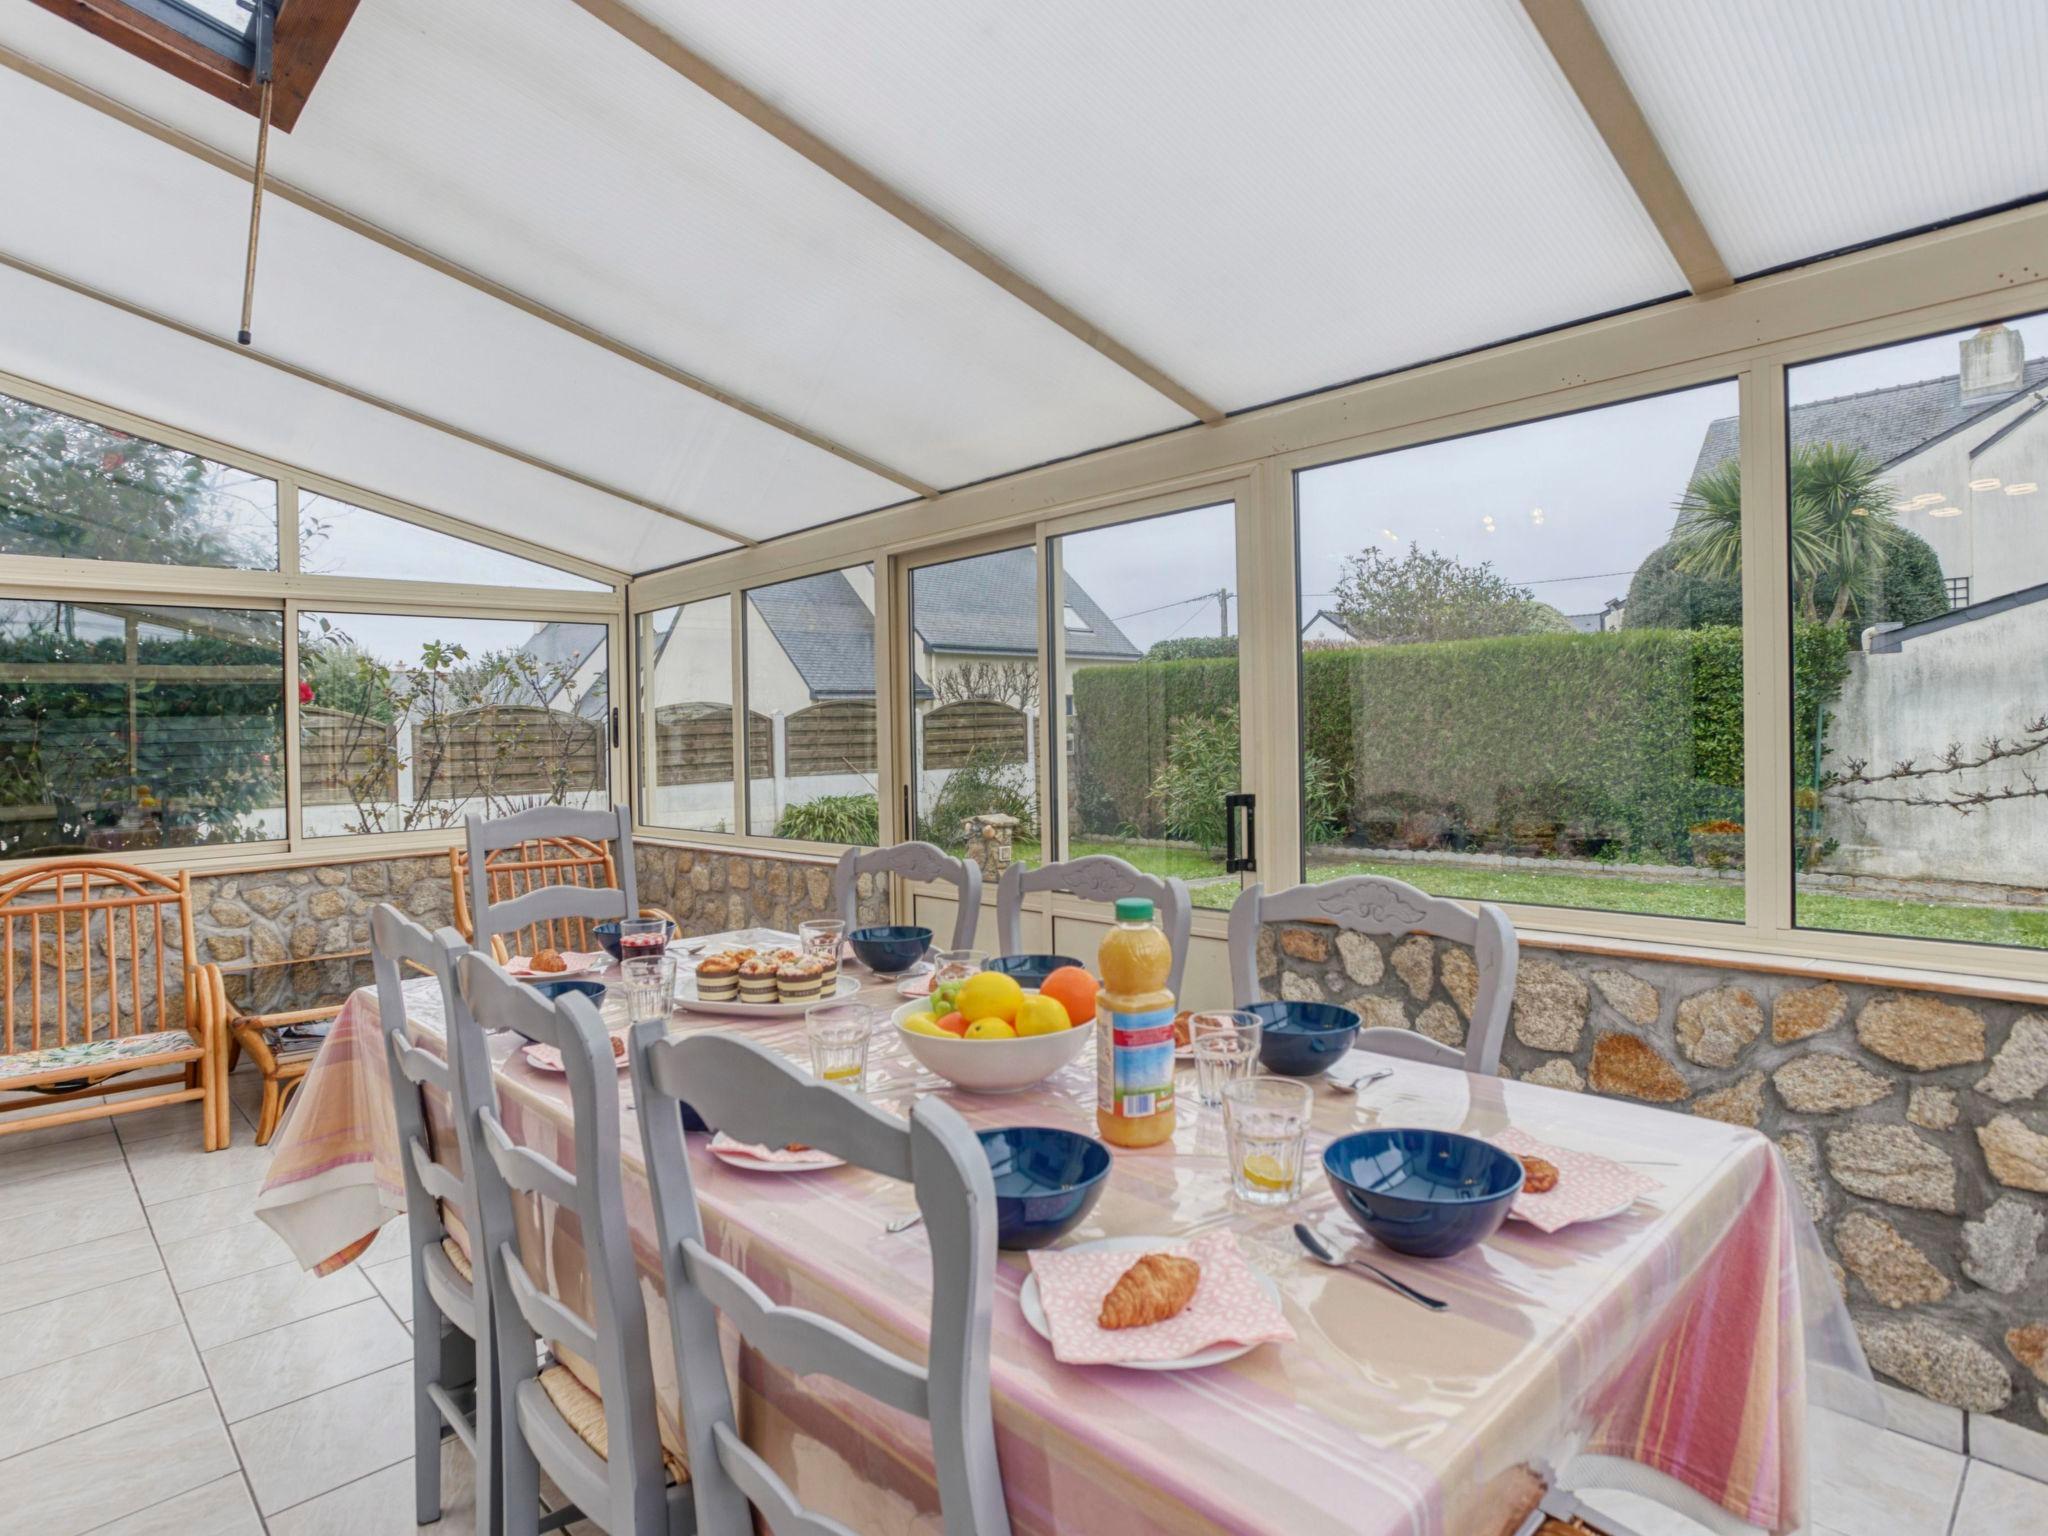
(221, 25)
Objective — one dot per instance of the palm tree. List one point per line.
(1844, 525)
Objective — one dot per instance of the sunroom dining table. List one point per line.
(1677, 1336)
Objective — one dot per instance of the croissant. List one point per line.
(1152, 1290)
(550, 960)
(1538, 1176)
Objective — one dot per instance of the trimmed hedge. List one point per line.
(1613, 743)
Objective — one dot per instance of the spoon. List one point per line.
(1320, 1252)
(905, 1224)
(1353, 1084)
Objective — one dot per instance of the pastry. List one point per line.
(718, 979)
(550, 960)
(1152, 1290)
(796, 982)
(757, 980)
(1538, 1177)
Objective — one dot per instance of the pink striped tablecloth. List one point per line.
(1676, 1335)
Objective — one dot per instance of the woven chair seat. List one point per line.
(583, 1410)
(457, 1258)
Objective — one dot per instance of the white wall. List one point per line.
(1998, 540)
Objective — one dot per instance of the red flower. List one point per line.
(305, 692)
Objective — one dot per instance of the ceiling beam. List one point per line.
(708, 77)
(362, 396)
(1568, 32)
(319, 207)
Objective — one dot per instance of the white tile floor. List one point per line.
(169, 1370)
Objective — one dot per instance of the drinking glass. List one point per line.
(838, 1034)
(953, 965)
(642, 937)
(819, 938)
(649, 981)
(1225, 1047)
(1266, 1122)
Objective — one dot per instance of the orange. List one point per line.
(1074, 990)
(953, 1024)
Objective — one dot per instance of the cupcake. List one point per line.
(757, 980)
(827, 962)
(718, 979)
(797, 982)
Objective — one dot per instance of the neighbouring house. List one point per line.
(1967, 453)
(811, 686)
(1325, 628)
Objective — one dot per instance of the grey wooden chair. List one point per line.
(1371, 904)
(754, 1094)
(603, 1449)
(1097, 877)
(549, 908)
(913, 861)
(449, 1319)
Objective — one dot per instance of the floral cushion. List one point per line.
(95, 1055)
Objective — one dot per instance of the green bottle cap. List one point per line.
(1134, 909)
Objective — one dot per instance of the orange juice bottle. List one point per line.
(1134, 1031)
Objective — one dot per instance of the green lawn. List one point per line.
(1714, 902)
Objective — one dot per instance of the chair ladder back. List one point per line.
(70, 914)
(754, 1094)
(1374, 904)
(911, 861)
(546, 848)
(1098, 877)
(615, 1338)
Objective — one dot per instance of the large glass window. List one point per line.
(338, 538)
(686, 718)
(811, 677)
(1521, 662)
(410, 724)
(76, 489)
(1148, 687)
(128, 726)
(1919, 548)
(974, 665)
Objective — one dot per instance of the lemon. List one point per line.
(989, 995)
(924, 1024)
(990, 1029)
(1262, 1170)
(1042, 1016)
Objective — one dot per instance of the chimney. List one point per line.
(1994, 362)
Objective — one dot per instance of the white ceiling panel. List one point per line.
(1260, 199)
(1801, 128)
(561, 160)
(138, 219)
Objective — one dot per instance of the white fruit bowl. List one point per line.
(993, 1066)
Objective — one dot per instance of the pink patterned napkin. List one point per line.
(1588, 1186)
(548, 1059)
(578, 964)
(726, 1147)
(1230, 1306)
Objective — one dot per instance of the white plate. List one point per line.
(686, 997)
(545, 1058)
(1216, 1354)
(738, 1159)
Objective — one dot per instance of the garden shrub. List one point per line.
(833, 819)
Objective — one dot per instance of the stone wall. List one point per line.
(709, 890)
(1913, 1123)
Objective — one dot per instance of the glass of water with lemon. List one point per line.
(1265, 1121)
(838, 1034)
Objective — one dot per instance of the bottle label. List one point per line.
(1134, 1077)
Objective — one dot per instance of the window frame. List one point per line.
(288, 590)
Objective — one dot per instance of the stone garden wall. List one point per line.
(707, 890)
(1914, 1124)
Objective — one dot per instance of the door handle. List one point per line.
(1240, 811)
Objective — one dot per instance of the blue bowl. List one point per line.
(552, 990)
(1047, 1181)
(607, 935)
(1029, 970)
(885, 951)
(1426, 1193)
(1303, 1039)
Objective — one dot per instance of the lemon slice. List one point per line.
(841, 1074)
(1262, 1170)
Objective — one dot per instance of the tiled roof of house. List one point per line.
(1889, 424)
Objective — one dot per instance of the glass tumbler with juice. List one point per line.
(1134, 1031)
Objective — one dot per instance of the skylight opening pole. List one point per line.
(262, 35)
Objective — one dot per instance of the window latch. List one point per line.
(1240, 833)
